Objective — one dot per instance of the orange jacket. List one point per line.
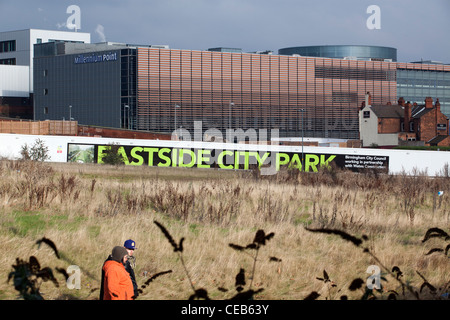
(117, 284)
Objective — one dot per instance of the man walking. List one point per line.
(117, 283)
(130, 245)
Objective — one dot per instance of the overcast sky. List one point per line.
(418, 29)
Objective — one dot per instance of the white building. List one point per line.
(14, 81)
(17, 48)
(370, 125)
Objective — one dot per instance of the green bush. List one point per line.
(37, 152)
(112, 156)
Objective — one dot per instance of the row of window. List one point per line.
(338, 72)
(9, 61)
(433, 83)
(7, 46)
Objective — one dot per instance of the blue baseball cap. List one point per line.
(130, 244)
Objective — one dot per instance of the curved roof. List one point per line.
(359, 52)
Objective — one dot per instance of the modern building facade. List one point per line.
(16, 67)
(418, 80)
(414, 80)
(155, 88)
(15, 99)
(318, 97)
(17, 47)
(89, 83)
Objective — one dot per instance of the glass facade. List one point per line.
(254, 91)
(128, 88)
(415, 85)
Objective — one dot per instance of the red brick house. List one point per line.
(403, 123)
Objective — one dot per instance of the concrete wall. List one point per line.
(399, 160)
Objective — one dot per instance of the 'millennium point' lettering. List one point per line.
(93, 58)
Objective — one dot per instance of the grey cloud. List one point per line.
(418, 28)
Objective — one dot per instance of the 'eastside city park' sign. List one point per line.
(225, 159)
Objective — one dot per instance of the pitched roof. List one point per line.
(388, 111)
(397, 111)
(419, 111)
(437, 139)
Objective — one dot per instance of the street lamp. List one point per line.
(302, 110)
(128, 116)
(229, 119)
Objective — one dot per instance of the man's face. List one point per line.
(130, 251)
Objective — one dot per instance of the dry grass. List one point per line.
(86, 210)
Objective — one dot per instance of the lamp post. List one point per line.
(302, 110)
(127, 107)
(229, 115)
(229, 118)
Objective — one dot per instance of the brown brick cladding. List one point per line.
(267, 91)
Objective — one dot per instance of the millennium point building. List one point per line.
(259, 91)
(155, 88)
(415, 81)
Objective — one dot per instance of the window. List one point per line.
(10, 61)
(337, 72)
(411, 126)
(45, 110)
(366, 114)
(345, 97)
(45, 72)
(7, 46)
(38, 40)
(45, 92)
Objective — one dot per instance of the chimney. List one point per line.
(428, 103)
(407, 116)
(438, 105)
(368, 99)
(401, 101)
(363, 105)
